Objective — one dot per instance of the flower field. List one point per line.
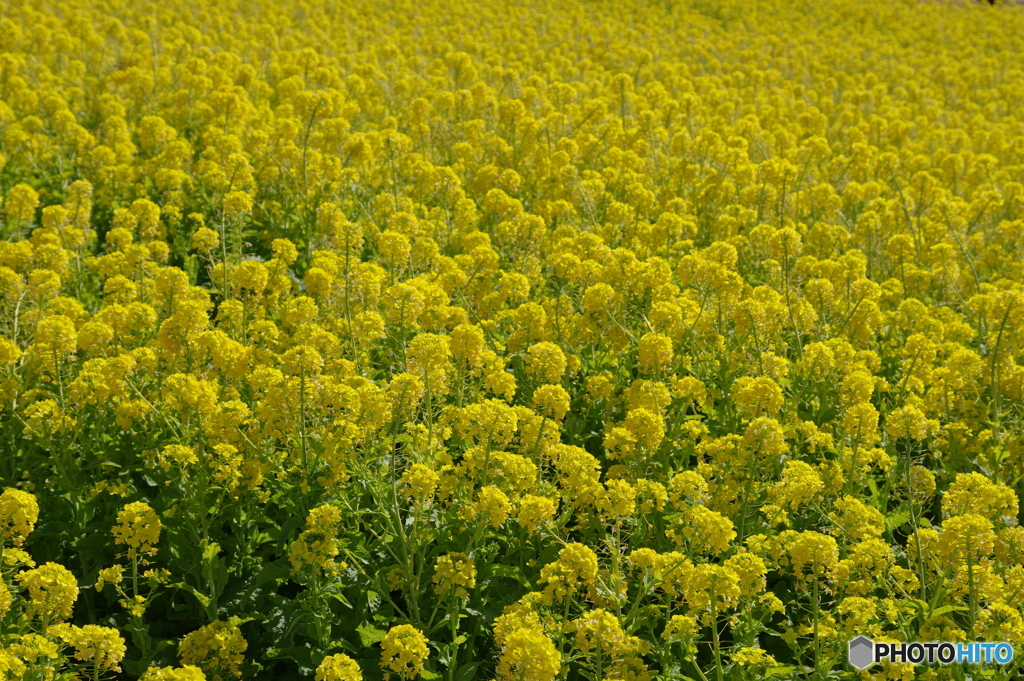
(583, 340)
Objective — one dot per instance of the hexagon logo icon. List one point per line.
(862, 652)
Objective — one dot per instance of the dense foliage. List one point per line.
(549, 339)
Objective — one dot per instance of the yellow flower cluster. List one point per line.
(403, 651)
(216, 649)
(19, 513)
(186, 673)
(52, 592)
(689, 336)
(101, 648)
(338, 667)
(528, 654)
(138, 527)
(315, 549)
(454, 572)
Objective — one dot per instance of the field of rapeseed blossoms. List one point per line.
(448, 340)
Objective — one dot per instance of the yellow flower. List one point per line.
(21, 202)
(922, 485)
(1001, 622)
(216, 649)
(814, 553)
(35, 649)
(302, 360)
(317, 546)
(703, 531)
(638, 436)
(9, 352)
(492, 506)
(467, 344)
(857, 520)
(251, 275)
(551, 401)
(975, 494)
(19, 513)
(338, 667)
(285, 251)
(138, 527)
(11, 667)
(763, 438)
(110, 575)
(752, 657)
(965, 539)
(679, 628)
(186, 673)
(420, 483)
(711, 587)
(687, 487)
(454, 571)
(237, 204)
(618, 276)
(760, 396)
(1009, 546)
(55, 336)
(618, 501)
(101, 648)
(868, 561)
(546, 361)
(600, 630)
(751, 570)
(655, 353)
(941, 628)
(45, 419)
(403, 650)
(368, 326)
(205, 240)
(599, 298)
(600, 387)
(52, 591)
(798, 486)
(576, 564)
(5, 599)
(429, 359)
(907, 422)
(535, 511)
(528, 655)
(181, 457)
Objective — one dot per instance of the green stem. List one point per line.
(917, 534)
(970, 586)
(714, 635)
(302, 418)
(817, 640)
(454, 619)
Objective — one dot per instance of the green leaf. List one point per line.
(896, 519)
(467, 671)
(300, 654)
(918, 604)
(271, 573)
(203, 599)
(429, 675)
(369, 634)
(342, 644)
(508, 571)
(340, 598)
